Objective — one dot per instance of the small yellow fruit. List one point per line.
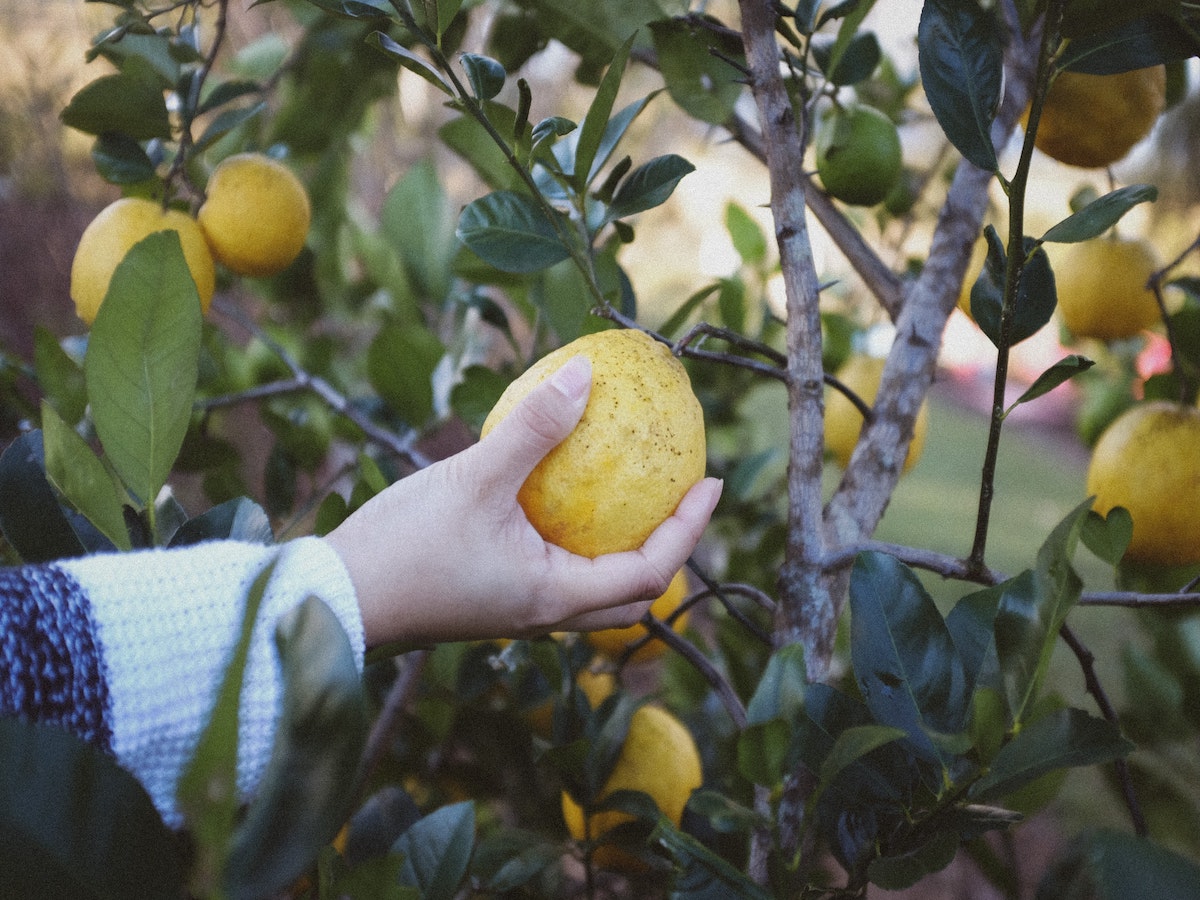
(1092, 121)
(110, 235)
(659, 757)
(1102, 288)
(638, 448)
(858, 154)
(612, 642)
(843, 421)
(597, 685)
(256, 214)
(1148, 461)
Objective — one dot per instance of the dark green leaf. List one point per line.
(437, 850)
(511, 232)
(82, 479)
(961, 59)
(549, 129)
(119, 159)
(724, 814)
(400, 364)
(648, 186)
(511, 858)
(142, 362)
(857, 59)
(225, 122)
(475, 395)
(971, 624)
(30, 517)
(486, 76)
(150, 53)
(129, 104)
(853, 744)
(762, 750)
(596, 122)
(895, 873)
(418, 221)
(410, 61)
(59, 376)
(905, 661)
(780, 691)
(240, 519)
(1100, 215)
(226, 92)
(305, 794)
(613, 132)
(705, 875)
(1113, 865)
(1150, 40)
(76, 824)
(1108, 536)
(1063, 370)
(692, 60)
(1061, 739)
(1036, 295)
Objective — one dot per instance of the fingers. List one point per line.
(541, 421)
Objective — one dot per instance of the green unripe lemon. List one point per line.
(858, 154)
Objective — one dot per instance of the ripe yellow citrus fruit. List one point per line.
(1148, 461)
(843, 421)
(1102, 287)
(659, 757)
(1092, 121)
(110, 235)
(611, 642)
(636, 451)
(858, 154)
(255, 215)
(597, 685)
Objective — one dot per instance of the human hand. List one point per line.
(447, 553)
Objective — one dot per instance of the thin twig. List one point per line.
(700, 662)
(408, 673)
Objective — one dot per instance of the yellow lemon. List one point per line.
(843, 421)
(1102, 287)
(110, 235)
(597, 685)
(1092, 121)
(659, 757)
(1148, 461)
(256, 214)
(636, 451)
(612, 641)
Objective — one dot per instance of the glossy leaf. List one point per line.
(1036, 295)
(1062, 371)
(596, 122)
(240, 519)
(437, 850)
(400, 364)
(1061, 739)
(856, 62)
(703, 875)
(1101, 214)
(124, 103)
(853, 744)
(485, 75)
(59, 376)
(305, 794)
(692, 60)
(780, 692)
(82, 478)
(648, 186)
(1150, 39)
(120, 159)
(30, 517)
(895, 873)
(142, 363)
(411, 61)
(76, 824)
(961, 59)
(1108, 536)
(511, 232)
(905, 661)
(225, 122)
(971, 624)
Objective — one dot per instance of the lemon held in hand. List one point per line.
(1148, 461)
(256, 214)
(1102, 288)
(638, 448)
(110, 235)
(659, 757)
(1091, 121)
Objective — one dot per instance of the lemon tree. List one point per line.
(255, 215)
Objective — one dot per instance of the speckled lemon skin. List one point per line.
(636, 451)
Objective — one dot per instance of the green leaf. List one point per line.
(475, 395)
(410, 61)
(692, 60)
(1061, 739)
(971, 625)
(596, 122)
(207, 793)
(847, 37)
(895, 873)
(240, 519)
(905, 661)
(400, 364)
(704, 874)
(418, 221)
(30, 517)
(853, 744)
(746, 234)
(1149, 40)
(780, 691)
(470, 140)
(306, 791)
(1108, 536)
(648, 186)
(1063, 370)
(856, 61)
(1113, 865)
(82, 479)
(510, 859)
(511, 232)
(76, 824)
(1036, 295)
(1100, 215)
(961, 59)
(437, 850)
(142, 363)
(613, 133)
(679, 318)
(225, 122)
(119, 159)
(126, 103)
(1032, 610)
(762, 750)
(486, 76)
(59, 376)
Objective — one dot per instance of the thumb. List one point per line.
(540, 422)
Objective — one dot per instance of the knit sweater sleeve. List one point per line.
(128, 650)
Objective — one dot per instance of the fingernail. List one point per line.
(573, 378)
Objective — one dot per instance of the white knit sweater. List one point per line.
(128, 650)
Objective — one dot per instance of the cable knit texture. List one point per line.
(165, 623)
